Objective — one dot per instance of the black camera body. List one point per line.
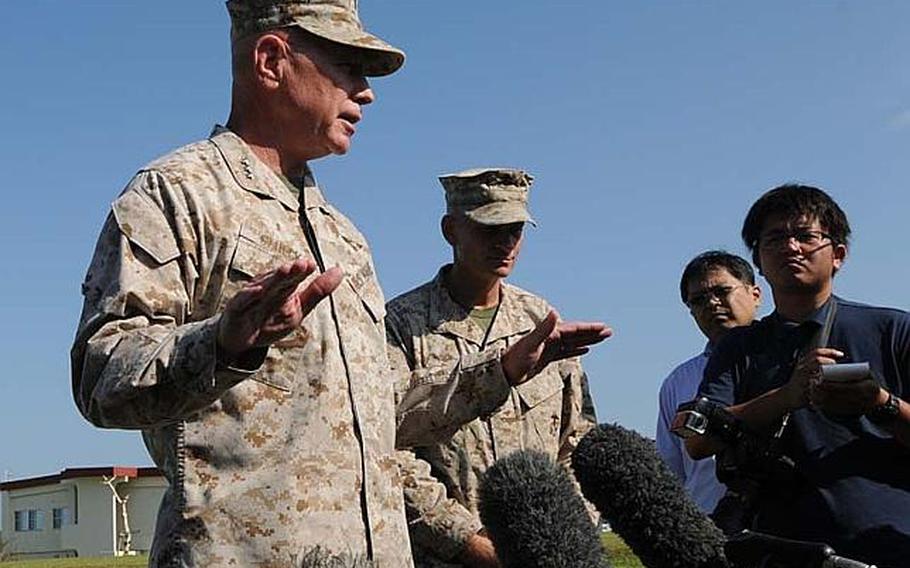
(751, 466)
(703, 416)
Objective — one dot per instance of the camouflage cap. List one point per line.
(490, 196)
(334, 20)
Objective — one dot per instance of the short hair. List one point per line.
(704, 263)
(794, 201)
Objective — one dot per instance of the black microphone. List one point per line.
(749, 549)
(621, 473)
(535, 516)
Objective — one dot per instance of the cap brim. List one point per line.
(500, 214)
(379, 58)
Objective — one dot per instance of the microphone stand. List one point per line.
(749, 549)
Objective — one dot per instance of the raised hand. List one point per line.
(550, 341)
(807, 374)
(271, 306)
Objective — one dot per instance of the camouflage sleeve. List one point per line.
(137, 360)
(433, 403)
(436, 523)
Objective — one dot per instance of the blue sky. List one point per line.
(650, 127)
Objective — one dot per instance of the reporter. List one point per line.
(850, 442)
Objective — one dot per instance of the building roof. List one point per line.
(78, 472)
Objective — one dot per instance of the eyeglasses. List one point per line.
(703, 299)
(777, 239)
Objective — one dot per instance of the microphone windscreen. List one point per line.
(535, 516)
(622, 474)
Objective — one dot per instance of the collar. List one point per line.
(817, 317)
(448, 316)
(249, 171)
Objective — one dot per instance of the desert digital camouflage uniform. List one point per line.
(292, 458)
(432, 339)
(451, 385)
(265, 463)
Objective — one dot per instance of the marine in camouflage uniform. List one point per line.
(438, 343)
(287, 447)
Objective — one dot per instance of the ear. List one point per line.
(447, 224)
(269, 56)
(756, 259)
(839, 253)
(756, 294)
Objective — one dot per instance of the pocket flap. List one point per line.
(363, 282)
(145, 225)
(540, 388)
(250, 259)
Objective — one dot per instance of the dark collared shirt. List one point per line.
(857, 495)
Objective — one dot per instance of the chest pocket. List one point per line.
(541, 409)
(539, 389)
(349, 248)
(363, 282)
(255, 255)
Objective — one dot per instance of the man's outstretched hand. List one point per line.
(550, 341)
(271, 306)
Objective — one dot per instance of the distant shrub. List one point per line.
(5, 550)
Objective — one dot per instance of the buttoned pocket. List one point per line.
(542, 387)
(363, 282)
(253, 257)
(541, 400)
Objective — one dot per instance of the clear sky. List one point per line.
(650, 127)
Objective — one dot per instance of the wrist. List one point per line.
(885, 412)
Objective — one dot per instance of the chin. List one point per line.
(341, 150)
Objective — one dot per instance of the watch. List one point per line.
(885, 413)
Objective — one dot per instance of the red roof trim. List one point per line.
(81, 472)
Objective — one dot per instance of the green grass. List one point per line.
(107, 562)
(619, 553)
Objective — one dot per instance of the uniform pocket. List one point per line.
(250, 259)
(540, 388)
(363, 282)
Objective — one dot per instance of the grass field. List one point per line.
(620, 557)
(107, 562)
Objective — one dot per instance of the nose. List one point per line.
(363, 94)
(792, 244)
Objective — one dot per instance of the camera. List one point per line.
(703, 416)
(751, 466)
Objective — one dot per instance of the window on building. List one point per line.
(62, 517)
(28, 520)
(35, 520)
(20, 521)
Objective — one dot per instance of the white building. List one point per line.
(98, 511)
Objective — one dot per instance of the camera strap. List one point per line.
(819, 339)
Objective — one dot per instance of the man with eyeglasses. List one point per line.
(848, 437)
(720, 291)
